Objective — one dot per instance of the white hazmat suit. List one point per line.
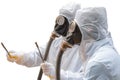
(71, 59)
(100, 60)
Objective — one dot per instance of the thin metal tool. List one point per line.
(5, 49)
(39, 51)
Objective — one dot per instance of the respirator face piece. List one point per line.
(60, 20)
(74, 35)
(61, 26)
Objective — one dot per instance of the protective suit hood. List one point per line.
(92, 23)
(69, 11)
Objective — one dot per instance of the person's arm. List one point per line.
(97, 71)
(94, 71)
(34, 58)
(30, 59)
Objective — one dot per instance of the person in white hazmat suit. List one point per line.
(100, 60)
(71, 58)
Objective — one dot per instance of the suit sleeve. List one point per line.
(94, 71)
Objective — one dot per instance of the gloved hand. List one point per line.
(48, 70)
(15, 57)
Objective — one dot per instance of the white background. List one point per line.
(22, 22)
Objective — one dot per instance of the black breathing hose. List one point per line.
(59, 58)
(61, 28)
(53, 36)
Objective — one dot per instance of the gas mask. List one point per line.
(61, 26)
(74, 35)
